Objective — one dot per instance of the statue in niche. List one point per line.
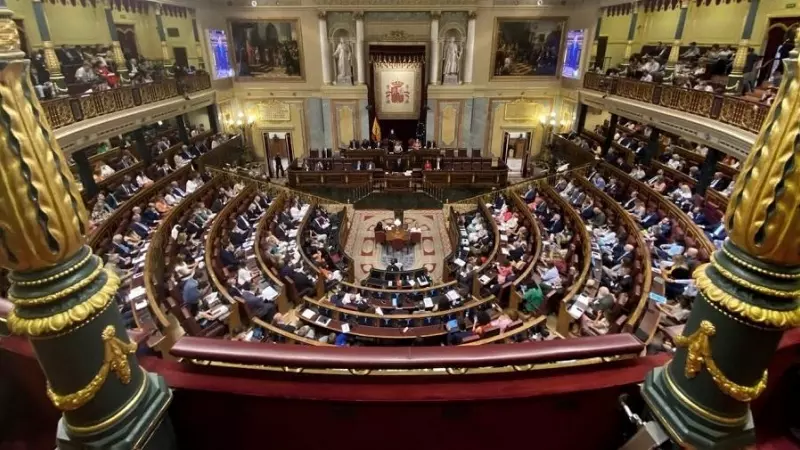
(343, 57)
(452, 59)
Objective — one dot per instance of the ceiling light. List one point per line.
(254, 3)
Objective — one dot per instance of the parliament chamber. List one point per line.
(575, 218)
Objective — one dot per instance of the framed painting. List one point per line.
(527, 47)
(268, 49)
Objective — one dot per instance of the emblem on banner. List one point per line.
(397, 92)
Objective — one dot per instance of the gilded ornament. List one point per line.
(698, 347)
(25, 301)
(752, 286)
(779, 319)
(115, 359)
(763, 215)
(42, 208)
(44, 326)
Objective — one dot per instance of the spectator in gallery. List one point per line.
(279, 171)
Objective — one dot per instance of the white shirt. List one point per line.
(142, 179)
(106, 171)
(171, 199)
(214, 144)
(180, 162)
(192, 186)
(243, 276)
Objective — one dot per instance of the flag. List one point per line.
(376, 130)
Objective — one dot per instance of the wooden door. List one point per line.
(127, 40)
(600, 56)
(181, 59)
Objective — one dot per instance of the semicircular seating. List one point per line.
(621, 263)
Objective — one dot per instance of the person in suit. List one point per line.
(556, 224)
(599, 218)
(718, 233)
(631, 202)
(718, 183)
(531, 194)
(241, 222)
(176, 190)
(150, 216)
(587, 211)
(649, 219)
(279, 172)
(125, 189)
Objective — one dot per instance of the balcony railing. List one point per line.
(68, 110)
(735, 111)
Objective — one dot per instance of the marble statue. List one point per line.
(343, 57)
(452, 58)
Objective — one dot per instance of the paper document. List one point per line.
(308, 313)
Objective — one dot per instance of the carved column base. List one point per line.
(53, 66)
(685, 426)
(200, 62)
(119, 60)
(142, 424)
(165, 55)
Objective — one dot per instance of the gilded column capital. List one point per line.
(763, 216)
(472, 15)
(43, 217)
(9, 38)
(436, 15)
(358, 15)
(685, 4)
(322, 14)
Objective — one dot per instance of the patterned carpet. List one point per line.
(429, 253)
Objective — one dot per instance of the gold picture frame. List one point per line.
(280, 72)
(516, 67)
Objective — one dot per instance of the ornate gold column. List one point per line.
(63, 296)
(748, 295)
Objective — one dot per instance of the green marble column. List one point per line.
(50, 59)
(631, 33)
(116, 48)
(162, 36)
(197, 42)
(748, 296)
(63, 296)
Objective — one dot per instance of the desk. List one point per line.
(398, 238)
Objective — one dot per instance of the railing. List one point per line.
(65, 111)
(362, 361)
(741, 113)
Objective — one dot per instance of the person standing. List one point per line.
(279, 172)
